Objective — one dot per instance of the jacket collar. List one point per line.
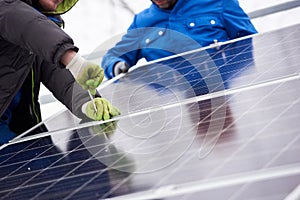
(177, 6)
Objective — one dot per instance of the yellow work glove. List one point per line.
(107, 128)
(89, 75)
(105, 110)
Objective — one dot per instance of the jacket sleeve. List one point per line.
(60, 82)
(236, 21)
(24, 26)
(126, 50)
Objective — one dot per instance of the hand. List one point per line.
(105, 110)
(120, 67)
(87, 74)
(107, 129)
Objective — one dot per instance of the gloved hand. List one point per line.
(105, 110)
(120, 67)
(107, 128)
(87, 74)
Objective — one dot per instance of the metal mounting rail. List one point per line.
(274, 9)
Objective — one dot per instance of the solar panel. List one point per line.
(215, 123)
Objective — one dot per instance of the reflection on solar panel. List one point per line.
(220, 123)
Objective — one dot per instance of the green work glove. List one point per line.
(105, 110)
(89, 75)
(107, 128)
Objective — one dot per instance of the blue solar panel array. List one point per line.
(219, 123)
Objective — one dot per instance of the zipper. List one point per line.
(32, 97)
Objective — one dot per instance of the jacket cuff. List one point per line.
(60, 52)
(109, 71)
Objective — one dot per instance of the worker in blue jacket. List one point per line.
(171, 27)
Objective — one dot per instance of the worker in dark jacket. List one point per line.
(33, 50)
(176, 26)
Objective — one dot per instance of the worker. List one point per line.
(171, 27)
(34, 50)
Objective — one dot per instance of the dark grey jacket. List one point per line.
(31, 46)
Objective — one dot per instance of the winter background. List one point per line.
(93, 22)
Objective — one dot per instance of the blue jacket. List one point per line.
(189, 25)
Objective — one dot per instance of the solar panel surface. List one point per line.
(220, 123)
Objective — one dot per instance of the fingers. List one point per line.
(90, 111)
(106, 114)
(93, 91)
(120, 67)
(124, 68)
(107, 128)
(95, 78)
(101, 76)
(105, 110)
(95, 82)
(100, 109)
(90, 77)
(114, 111)
(90, 82)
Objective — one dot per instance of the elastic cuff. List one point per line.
(83, 108)
(75, 65)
